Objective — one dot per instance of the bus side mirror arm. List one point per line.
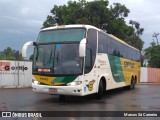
(82, 48)
(25, 46)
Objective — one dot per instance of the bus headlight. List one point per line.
(74, 83)
(35, 81)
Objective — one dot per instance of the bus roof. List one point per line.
(87, 27)
(71, 26)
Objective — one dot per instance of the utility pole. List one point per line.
(17, 59)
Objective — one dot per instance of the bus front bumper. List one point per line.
(58, 90)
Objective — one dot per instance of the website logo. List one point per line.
(6, 114)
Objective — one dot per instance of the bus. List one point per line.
(80, 60)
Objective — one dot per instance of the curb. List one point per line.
(10, 87)
(144, 83)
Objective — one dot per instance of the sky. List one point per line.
(21, 20)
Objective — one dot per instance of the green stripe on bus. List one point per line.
(116, 68)
(66, 79)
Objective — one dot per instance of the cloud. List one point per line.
(25, 10)
(21, 20)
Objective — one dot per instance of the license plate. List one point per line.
(53, 90)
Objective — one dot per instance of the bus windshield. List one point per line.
(57, 59)
(62, 35)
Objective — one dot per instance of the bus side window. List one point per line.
(119, 49)
(138, 56)
(92, 45)
(88, 60)
(110, 46)
(102, 43)
(124, 51)
(113, 48)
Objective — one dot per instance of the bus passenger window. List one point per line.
(88, 60)
(102, 43)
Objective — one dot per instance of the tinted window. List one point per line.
(102, 43)
(88, 60)
(111, 46)
(62, 35)
(57, 59)
(119, 49)
(92, 45)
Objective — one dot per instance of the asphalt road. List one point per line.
(142, 98)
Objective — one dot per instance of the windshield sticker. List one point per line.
(58, 46)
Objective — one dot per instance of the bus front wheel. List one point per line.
(62, 98)
(99, 95)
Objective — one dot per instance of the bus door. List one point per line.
(90, 76)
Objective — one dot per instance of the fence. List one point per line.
(150, 75)
(15, 73)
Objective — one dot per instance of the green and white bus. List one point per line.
(80, 60)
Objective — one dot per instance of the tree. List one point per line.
(7, 52)
(152, 54)
(10, 54)
(49, 22)
(135, 39)
(119, 11)
(82, 12)
(156, 36)
(97, 13)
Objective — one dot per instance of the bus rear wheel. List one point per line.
(133, 83)
(99, 95)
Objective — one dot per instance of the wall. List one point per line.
(15, 74)
(150, 75)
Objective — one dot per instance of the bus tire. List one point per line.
(99, 95)
(62, 98)
(133, 83)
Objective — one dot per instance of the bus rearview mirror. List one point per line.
(82, 48)
(25, 46)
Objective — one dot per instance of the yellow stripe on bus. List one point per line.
(44, 79)
(130, 68)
